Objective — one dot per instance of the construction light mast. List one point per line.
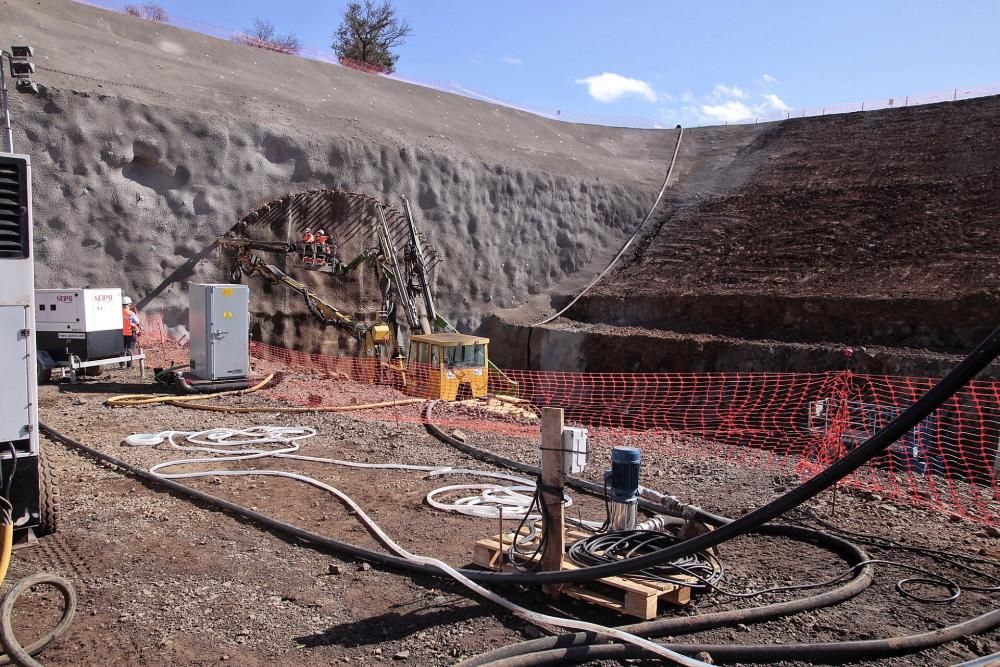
(21, 69)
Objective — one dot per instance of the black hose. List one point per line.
(20, 655)
(849, 552)
(677, 626)
(824, 653)
(967, 369)
(577, 649)
(185, 386)
(13, 470)
(535, 471)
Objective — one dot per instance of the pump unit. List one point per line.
(83, 322)
(219, 322)
(622, 482)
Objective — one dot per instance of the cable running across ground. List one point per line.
(225, 441)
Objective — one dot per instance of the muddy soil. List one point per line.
(166, 581)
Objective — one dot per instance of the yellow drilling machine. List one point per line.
(442, 363)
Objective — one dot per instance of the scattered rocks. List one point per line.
(401, 655)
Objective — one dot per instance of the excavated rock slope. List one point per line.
(779, 246)
(148, 142)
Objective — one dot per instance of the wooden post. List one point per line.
(554, 478)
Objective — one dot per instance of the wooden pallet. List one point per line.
(625, 595)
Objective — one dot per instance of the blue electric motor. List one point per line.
(623, 487)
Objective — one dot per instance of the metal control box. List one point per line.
(575, 448)
(219, 322)
(83, 322)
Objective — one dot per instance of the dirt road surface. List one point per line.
(164, 581)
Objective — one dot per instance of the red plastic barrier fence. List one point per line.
(786, 422)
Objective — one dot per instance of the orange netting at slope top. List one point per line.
(788, 422)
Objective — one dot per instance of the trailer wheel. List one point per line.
(48, 494)
(44, 373)
(93, 371)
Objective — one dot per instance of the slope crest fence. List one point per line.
(325, 55)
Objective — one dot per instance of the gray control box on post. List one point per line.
(219, 322)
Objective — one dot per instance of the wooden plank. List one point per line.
(554, 517)
(638, 598)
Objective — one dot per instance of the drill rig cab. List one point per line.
(447, 366)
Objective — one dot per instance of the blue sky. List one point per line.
(675, 61)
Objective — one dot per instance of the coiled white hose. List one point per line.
(219, 441)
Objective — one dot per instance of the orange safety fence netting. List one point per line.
(788, 422)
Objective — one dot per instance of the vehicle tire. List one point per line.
(44, 374)
(48, 494)
(93, 371)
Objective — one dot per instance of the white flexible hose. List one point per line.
(216, 440)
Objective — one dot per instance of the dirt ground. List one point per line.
(166, 581)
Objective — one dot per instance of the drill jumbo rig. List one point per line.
(441, 363)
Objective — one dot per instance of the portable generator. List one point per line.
(32, 491)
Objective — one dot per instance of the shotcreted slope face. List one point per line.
(149, 142)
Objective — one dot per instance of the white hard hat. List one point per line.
(126, 301)
(322, 232)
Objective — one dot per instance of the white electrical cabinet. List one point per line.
(19, 394)
(575, 448)
(83, 322)
(219, 322)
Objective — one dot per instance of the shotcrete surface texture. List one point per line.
(148, 142)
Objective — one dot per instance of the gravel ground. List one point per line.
(166, 581)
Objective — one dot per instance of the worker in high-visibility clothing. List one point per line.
(321, 249)
(130, 328)
(308, 247)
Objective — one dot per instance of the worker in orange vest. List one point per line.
(321, 249)
(308, 247)
(130, 327)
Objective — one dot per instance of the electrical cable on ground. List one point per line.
(140, 400)
(14, 652)
(672, 626)
(820, 652)
(755, 521)
(969, 367)
(666, 626)
(951, 558)
(628, 243)
(211, 441)
(134, 400)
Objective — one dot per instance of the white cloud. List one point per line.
(769, 79)
(475, 61)
(511, 60)
(610, 87)
(722, 91)
(725, 112)
(774, 102)
(723, 104)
